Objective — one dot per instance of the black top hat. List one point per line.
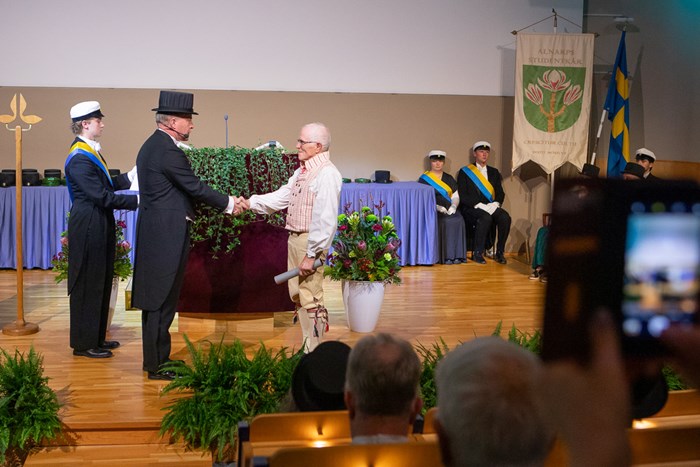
(174, 102)
(382, 176)
(635, 169)
(318, 382)
(590, 170)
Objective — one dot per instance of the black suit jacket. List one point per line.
(91, 224)
(168, 188)
(470, 195)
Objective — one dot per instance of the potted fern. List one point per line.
(28, 406)
(221, 387)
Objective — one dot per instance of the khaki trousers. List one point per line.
(305, 292)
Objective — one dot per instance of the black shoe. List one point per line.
(500, 259)
(478, 258)
(108, 345)
(93, 353)
(169, 361)
(162, 375)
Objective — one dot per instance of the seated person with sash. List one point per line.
(451, 231)
(482, 195)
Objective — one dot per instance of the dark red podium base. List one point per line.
(240, 282)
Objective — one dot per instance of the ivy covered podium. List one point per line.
(234, 259)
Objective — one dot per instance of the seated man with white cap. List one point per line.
(481, 197)
(646, 159)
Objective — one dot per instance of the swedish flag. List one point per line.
(617, 105)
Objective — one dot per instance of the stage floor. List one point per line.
(454, 303)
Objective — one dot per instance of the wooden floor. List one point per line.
(111, 402)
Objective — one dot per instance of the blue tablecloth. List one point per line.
(412, 207)
(44, 212)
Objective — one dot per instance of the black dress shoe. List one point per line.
(162, 375)
(169, 361)
(93, 353)
(478, 258)
(108, 345)
(500, 258)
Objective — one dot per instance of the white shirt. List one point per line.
(326, 185)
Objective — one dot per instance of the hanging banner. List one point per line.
(553, 82)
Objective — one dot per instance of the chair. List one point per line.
(270, 432)
(429, 421)
(667, 446)
(412, 454)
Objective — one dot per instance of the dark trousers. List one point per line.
(89, 303)
(483, 222)
(155, 324)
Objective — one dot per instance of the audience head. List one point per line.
(319, 378)
(86, 118)
(645, 158)
(633, 171)
(481, 150)
(382, 381)
(488, 410)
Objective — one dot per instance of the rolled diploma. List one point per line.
(285, 276)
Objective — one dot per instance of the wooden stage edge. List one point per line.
(110, 403)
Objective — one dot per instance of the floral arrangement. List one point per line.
(365, 248)
(122, 248)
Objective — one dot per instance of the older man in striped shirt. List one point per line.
(311, 197)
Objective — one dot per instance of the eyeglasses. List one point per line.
(301, 142)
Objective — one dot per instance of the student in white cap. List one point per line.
(646, 159)
(481, 199)
(451, 230)
(91, 232)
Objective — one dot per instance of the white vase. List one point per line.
(113, 300)
(363, 302)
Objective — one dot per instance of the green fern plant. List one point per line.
(225, 387)
(430, 357)
(28, 406)
(531, 342)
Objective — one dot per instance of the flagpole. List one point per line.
(597, 137)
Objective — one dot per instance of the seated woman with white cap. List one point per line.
(451, 230)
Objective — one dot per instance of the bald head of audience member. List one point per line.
(382, 389)
(488, 411)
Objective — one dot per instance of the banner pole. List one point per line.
(19, 327)
(597, 137)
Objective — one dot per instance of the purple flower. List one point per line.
(361, 245)
(377, 228)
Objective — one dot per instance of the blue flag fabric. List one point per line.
(617, 105)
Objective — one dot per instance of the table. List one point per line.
(410, 204)
(44, 210)
(412, 207)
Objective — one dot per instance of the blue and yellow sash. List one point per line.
(440, 186)
(81, 147)
(481, 182)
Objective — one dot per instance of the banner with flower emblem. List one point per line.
(553, 82)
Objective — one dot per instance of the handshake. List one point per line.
(240, 205)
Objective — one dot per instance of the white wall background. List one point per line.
(461, 47)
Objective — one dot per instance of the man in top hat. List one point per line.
(481, 198)
(590, 171)
(633, 171)
(91, 232)
(311, 197)
(646, 159)
(451, 230)
(168, 188)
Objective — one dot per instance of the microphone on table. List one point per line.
(285, 276)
